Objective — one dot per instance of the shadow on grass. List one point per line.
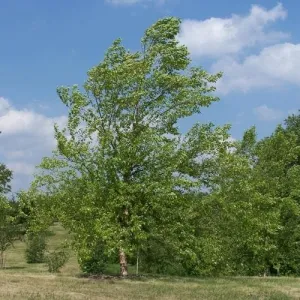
(146, 277)
(13, 268)
(143, 278)
(112, 272)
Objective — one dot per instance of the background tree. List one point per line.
(235, 225)
(9, 230)
(292, 124)
(253, 208)
(5, 179)
(278, 176)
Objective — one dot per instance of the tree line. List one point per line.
(132, 188)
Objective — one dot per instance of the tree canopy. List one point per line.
(121, 163)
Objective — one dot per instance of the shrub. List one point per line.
(36, 246)
(93, 261)
(55, 260)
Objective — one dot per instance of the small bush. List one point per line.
(93, 261)
(55, 260)
(93, 265)
(36, 246)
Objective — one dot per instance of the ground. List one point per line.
(23, 281)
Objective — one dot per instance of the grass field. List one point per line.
(22, 281)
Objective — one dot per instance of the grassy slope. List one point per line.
(23, 281)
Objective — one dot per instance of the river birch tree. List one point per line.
(121, 163)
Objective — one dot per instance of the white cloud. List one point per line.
(273, 66)
(26, 137)
(215, 37)
(226, 40)
(27, 122)
(266, 113)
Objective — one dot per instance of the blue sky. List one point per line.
(45, 44)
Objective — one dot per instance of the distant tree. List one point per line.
(9, 231)
(278, 176)
(5, 179)
(292, 124)
(235, 224)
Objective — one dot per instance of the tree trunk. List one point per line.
(123, 263)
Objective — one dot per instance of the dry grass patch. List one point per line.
(37, 286)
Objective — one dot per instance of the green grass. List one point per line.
(16, 262)
(32, 281)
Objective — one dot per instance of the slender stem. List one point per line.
(137, 264)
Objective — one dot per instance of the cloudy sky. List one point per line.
(45, 44)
